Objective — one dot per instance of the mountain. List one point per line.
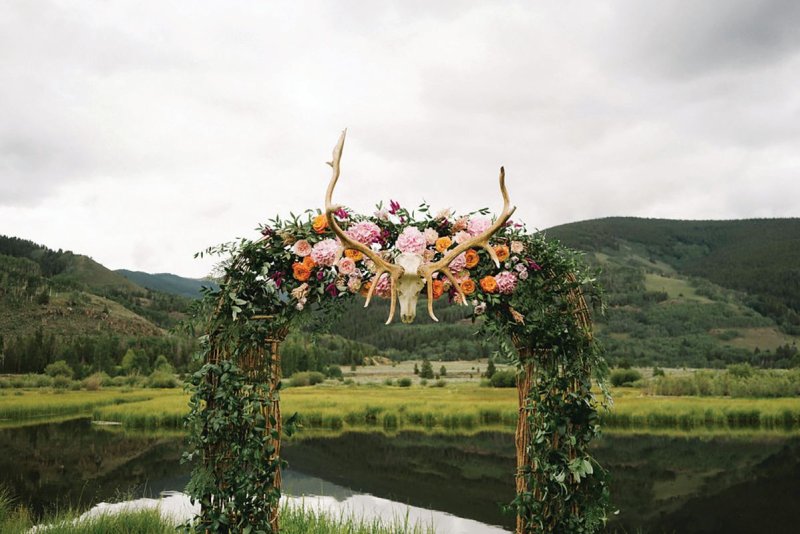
(168, 283)
(62, 305)
(694, 293)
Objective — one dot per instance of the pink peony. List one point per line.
(326, 252)
(346, 266)
(517, 247)
(523, 275)
(364, 232)
(478, 225)
(461, 236)
(302, 248)
(506, 282)
(383, 288)
(431, 236)
(411, 241)
(458, 263)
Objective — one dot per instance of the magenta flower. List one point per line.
(341, 213)
(393, 207)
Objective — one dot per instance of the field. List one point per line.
(462, 407)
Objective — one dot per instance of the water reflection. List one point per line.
(659, 483)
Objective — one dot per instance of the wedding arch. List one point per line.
(525, 291)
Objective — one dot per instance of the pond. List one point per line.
(661, 483)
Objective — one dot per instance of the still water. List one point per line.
(659, 483)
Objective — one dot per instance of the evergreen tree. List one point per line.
(443, 371)
(426, 371)
(490, 369)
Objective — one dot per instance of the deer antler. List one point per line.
(381, 265)
(443, 265)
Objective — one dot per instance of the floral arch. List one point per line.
(525, 291)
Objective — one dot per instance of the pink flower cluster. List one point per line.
(411, 241)
(326, 252)
(506, 282)
(383, 288)
(478, 225)
(364, 232)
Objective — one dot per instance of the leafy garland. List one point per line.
(297, 265)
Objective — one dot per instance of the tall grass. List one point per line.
(461, 407)
(24, 404)
(739, 382)
(164, 408)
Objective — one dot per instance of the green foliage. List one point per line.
(443, 371)
(426, 369)
(624, 377)
(162, 379)
(504, 379)
(490, 369)
(236, 491)
(306, 378)
(135, 363)
(59, 368)
(404, 382)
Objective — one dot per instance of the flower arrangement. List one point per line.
(303, 261)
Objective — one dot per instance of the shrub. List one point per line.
(388, 382)
(306, 378)
(657, 371)
(440, 383)
(443, 371)
(404, 382)
(61, 382)
(59, 368)
(504, 379)
(333, 371)
(160, 379)
(740, 370)
(423, 381)
(162, 364)
(96, 381)
(625, 377)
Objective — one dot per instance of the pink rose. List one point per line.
(431, 236)
(461, 236)
(302, 248)
(347, 266)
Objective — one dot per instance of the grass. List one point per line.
(458, 406)
(22, 404)
(16, 519)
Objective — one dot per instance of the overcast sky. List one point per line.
(141, 132)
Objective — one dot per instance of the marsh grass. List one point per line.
(462, 407)
(28, 404)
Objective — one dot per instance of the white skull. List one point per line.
(409, 285)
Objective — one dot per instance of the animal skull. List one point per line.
(409, 273)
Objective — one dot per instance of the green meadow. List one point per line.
(455, 406)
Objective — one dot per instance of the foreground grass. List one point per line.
(294, 520)
(463, 407)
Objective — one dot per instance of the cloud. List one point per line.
(142, 133)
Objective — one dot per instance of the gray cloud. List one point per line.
(141, 133)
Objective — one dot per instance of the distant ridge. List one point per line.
(167, 282)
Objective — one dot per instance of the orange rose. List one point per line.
(438, 289)
(301, 272)
(320, 223)
(443, 243)
(353, 254)
(472, 258)
(309, 263)
(502, 252)
(489, 284)
(468, 286)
